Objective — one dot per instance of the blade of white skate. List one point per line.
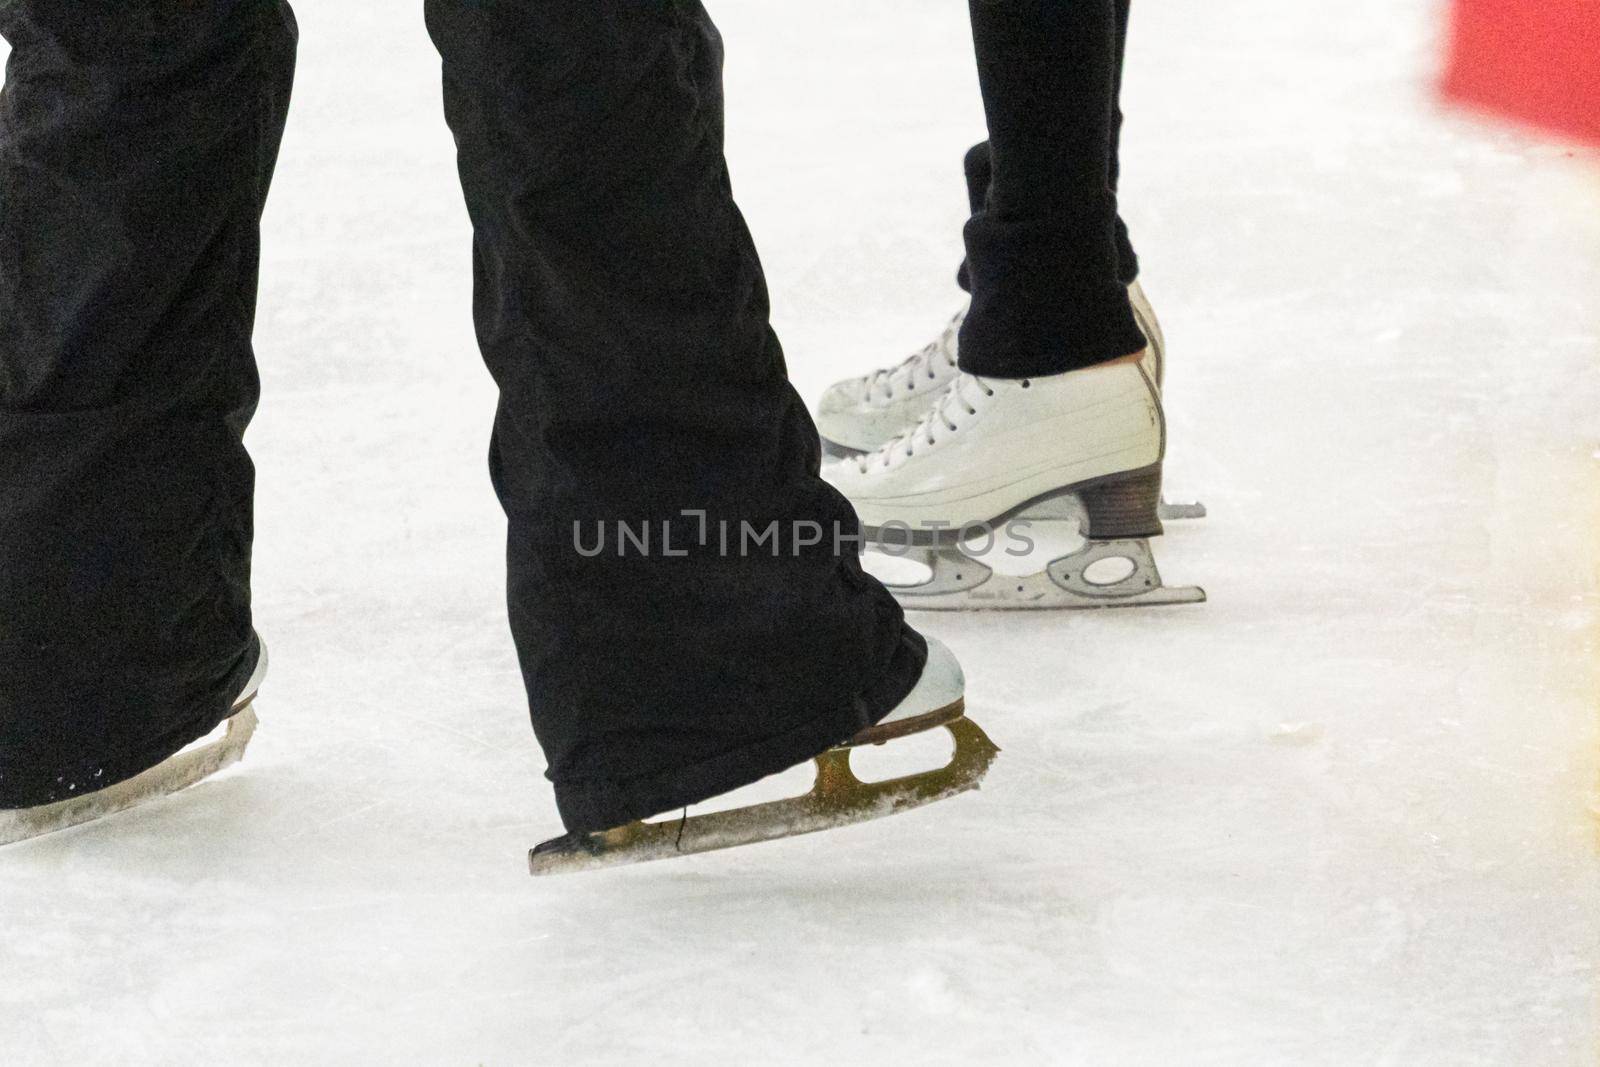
(838, 799)
(957, 582)
(1035, 592)
(172, 776)
(1178, 512)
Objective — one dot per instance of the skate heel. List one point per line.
(1121, 506)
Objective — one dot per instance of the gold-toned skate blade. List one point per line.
(837, 799)
(957, 582)
(172, 776)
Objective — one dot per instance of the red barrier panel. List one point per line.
(1535, 61)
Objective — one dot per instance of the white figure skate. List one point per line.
(860, 415)
(992, 453)
(222, 748)
(838, 798)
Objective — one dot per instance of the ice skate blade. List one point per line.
(839, 798)
(172, 776)
(1178, 512)
(957, 582)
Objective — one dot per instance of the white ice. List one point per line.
(1344, 813)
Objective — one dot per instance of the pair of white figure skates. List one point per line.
(933, 458)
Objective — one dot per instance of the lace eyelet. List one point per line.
(1026, 383)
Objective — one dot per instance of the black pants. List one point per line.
(620, 306)
(1048, 256)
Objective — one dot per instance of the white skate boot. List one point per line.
(991, 453)
(861, 415)
(222, 748)
(838, 798)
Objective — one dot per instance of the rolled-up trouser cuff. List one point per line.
(978, 167)
(1036, 310)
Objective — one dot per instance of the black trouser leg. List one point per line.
(137, 140)
(1127, 259)
(1048, 258)
(622, 310)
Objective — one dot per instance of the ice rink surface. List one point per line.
(1344, 813)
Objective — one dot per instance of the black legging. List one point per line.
(620, 306)
(1048, 256)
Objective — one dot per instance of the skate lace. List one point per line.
(918, 366)
(951, 402)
